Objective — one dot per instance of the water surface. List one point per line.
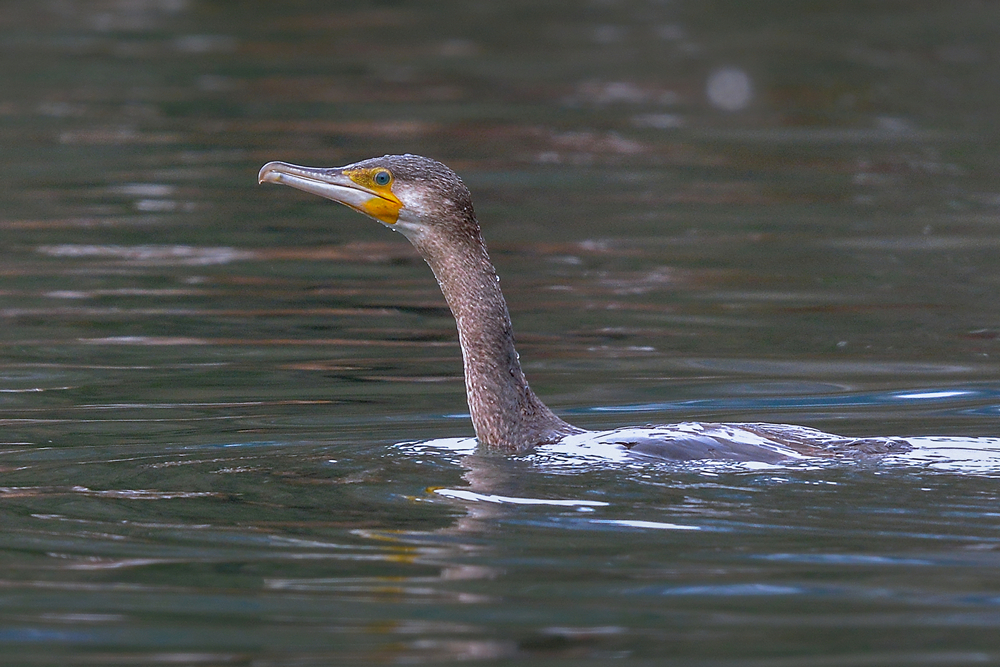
(234, 420)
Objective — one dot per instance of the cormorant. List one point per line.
(430, 205)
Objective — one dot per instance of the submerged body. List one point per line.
(428, 203)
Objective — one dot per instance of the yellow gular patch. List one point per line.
(384, 205)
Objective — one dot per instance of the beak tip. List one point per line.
(269, 173)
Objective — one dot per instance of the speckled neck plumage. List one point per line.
(505, 411)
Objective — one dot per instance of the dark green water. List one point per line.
(216, 396)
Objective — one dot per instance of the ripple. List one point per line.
(150, 254)
(126, 494)
(462, 494)
(725, 590)
(652, 525)
(845, 559)
(602, 450)
(974, 456)
(855, 399)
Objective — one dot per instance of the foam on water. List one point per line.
(604, 449)
(977, 456)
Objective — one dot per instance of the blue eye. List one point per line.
(382, 178)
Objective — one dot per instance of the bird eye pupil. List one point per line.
(382, 178)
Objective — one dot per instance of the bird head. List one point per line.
(412, 194)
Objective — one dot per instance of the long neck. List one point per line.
(505, 412)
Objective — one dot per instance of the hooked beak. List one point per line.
(336, 184)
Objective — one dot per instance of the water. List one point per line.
(234, 422)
